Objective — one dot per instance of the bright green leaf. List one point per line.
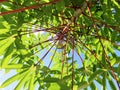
(54, 86)
(31, 84)
(13, 66)
(9, 41)
(13, 78)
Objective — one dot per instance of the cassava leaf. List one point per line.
(22, 81)
(8, 42)
(27, 76)
(8, 55)
(13, 78)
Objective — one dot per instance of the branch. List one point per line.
(63, 60)
(52, 58)
(44, 55)
(3, 1)
(27, 8)
(72, 62)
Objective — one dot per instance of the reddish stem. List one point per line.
(43, 48)
(73, 63)
(39, 61)
(3, 1)
(28, 8)
(52, 58)
(80, 58)
(42, 42)
(63, 59)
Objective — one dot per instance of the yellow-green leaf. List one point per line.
(26, 77)
(5, 61)
(54, 86)
(114, 1)
(12, 79)
(13, 66)
(22, 81)
(6, 45)
(31, 84)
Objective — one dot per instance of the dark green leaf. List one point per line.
(96, 74)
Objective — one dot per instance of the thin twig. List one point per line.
(80, 57)
(42, 42)
(28, 8)
(44, 55)
(63, 59)
(73, 63)
(52, 58)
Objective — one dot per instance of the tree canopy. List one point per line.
(60, 44)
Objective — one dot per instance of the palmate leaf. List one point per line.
(7, 56)
(28, 73)
(25, 72)
(22, 81)
(13, 78)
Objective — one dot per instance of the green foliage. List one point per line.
(60, 44)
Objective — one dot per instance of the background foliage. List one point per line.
(78, 39)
